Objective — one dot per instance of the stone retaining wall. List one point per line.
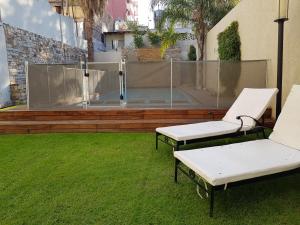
(26, 46)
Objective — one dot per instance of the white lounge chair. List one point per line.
(241, 118)
(225, 166)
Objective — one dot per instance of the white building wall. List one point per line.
(4, 76)
(129, 40)
(112, 56)
(258, 34)
(185, 48)
(38, 17)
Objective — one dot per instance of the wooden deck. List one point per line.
(106, 120)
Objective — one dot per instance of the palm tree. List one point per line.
(169, 37)
(202, 14)
(91, 8)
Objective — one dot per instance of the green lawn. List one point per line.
(121, 179)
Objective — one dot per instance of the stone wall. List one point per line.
(26, 46)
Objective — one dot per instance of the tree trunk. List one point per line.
(89, 24)
(200, 36)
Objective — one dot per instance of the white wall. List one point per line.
(129, 40)
(112, 56)
(185, 47)
(4, 77)
(38, 17)
(258, 34)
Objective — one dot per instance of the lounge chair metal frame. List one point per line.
(285, 135)
(212, 189)
(176, 144)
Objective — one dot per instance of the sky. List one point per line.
(145, 13)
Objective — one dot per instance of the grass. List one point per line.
(121, 179)
(7, 108)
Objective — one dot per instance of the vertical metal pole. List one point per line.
(176, 170)
(49, 89)
(27, 82)
(212, 199)
(125, 80)
(121, 83)
(218, 91)
(156, 140)
(81, 72)
(171, 82)
(177, 146)
(64, 80)
(279, 65)
(87, 81)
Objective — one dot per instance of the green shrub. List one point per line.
(230, 52)
(138, 41)
(192, 53)
(230, 43)
(154, 38)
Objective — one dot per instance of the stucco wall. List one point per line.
(259, 38)
(4, 76)
(111, 56)
(39, 18)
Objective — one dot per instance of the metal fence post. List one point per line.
(27, 83)
(171, 82)
(49, 91)
(125, 78)
(64, 80)
(218, 91)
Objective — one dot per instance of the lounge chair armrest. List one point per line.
(242, 122)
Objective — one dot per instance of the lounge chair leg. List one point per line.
(177, 146)
(176, 169)
(264, 133)
(156, 141)
(212, 198)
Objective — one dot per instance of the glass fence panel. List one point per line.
(159, 84)
(194, 84)
(73, 84)
(104, 84)
(148, 84)
(38, 88)
(53, 86)
(235, 76)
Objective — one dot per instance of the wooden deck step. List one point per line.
(113, 120)
(113, 114)
(89, 125)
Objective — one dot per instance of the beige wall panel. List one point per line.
(258, 33)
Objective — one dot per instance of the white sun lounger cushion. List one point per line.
(287, 128)
(230, 163)
(199, 130)
(251, 102)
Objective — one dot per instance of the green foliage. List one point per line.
(133, 26)
(169, 37)
(138, 41)
(201, 14)
(192, 53)
(230, 43)
(154, 38)
(137, 34)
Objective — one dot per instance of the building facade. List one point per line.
(126, 10)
